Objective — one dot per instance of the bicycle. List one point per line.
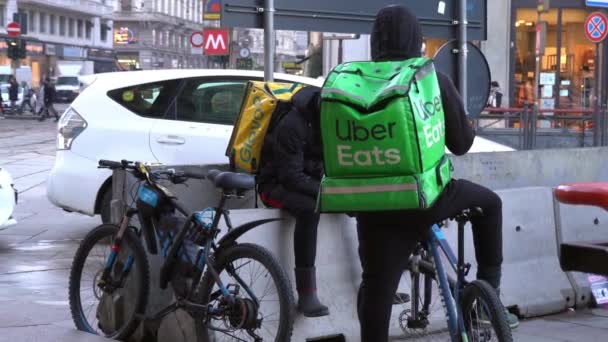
(208, 278)
(473, 309)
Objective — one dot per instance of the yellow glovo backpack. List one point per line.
(264, 104)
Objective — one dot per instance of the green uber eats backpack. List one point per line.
(383, 131)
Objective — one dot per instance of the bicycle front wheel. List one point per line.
(111, 308)
(263, 308)
(484, 314)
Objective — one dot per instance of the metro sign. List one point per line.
(216, 42)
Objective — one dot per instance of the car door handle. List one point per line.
(171, 140)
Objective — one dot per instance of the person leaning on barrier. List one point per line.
(289, 179)
(387, 239)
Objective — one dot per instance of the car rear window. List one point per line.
(149, 100)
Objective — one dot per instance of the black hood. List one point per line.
(307, 103)
(397, 34)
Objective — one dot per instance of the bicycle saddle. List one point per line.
(594, 194)
(231, 180)
(467, 214)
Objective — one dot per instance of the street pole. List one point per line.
(269, 41)
(462, 53)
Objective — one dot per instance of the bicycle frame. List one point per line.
(202, 260)
(436, 242)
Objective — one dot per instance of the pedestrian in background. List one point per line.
(27, 98)
(13, 93)
(49, 99)
(495, 98)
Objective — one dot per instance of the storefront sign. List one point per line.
(244, 63)
(73, 52)
(547, 78)
(50, 49)
(213, 10)
(597, 3)
(34, 49)
(100, 54)
(124, 36)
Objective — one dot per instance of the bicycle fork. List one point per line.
(115, 249)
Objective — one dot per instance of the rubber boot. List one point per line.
(308, 302)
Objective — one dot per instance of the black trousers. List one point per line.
(303, 208)
(387, 239)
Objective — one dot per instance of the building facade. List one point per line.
(61, 33)
(570, 65)
(155, 34)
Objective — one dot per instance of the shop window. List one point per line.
(71, 25)
(62, 29)
(42, 22)
(104, 32)
(52, 24)
(148, 100)
(80, 27)
(567, 71)
(31, 21)
(88, 28)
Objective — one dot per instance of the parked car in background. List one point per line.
(8, 199)
(175, 117)
(68, 88)
(6, 103)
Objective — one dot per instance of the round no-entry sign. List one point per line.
(596, 27)
(196, 39)
(13, 29)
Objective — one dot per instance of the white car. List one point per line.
(161, 116)
(175, 117)
(8, 200)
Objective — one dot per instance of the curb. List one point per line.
(18, 117)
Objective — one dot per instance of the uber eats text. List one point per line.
(373, 155)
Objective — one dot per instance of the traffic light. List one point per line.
(12, 49)
(22, 49)
(16, 49)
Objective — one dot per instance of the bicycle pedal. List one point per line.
(467, 269)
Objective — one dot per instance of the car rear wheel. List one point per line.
(106, 206)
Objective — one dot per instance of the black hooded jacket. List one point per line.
(397, 35)
(294, 155)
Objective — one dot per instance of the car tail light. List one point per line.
(70, 126)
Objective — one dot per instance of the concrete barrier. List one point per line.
(532, 278)
(580, 223)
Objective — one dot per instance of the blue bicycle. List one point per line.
(233, 291)
(473, 309)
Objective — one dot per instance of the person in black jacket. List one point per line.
(387, 239)
(49, 99)
(290, 178)
(13, 93)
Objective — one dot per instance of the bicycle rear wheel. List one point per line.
(271, 319)
(423, 318)
(484, 314)
(111, 311)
